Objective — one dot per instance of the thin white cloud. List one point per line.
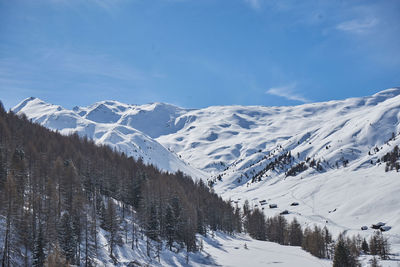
(287, 92)
(357, 25)
(109, 6)
(255, 4)
(277, 5)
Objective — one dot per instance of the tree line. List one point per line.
(57, 192)
(316, 240)
(391, 158)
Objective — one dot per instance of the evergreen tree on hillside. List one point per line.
(153, 223)
(343, 257)
(38, 252)
(328, 242)
(317, 241)
(256, 225)
(112, 225)
(295, 233)
(237, 220)
(8, 208)
(201, 229)
(169, 227)
(66, 237)
(364, 246)
(277, 229)
(379, 245)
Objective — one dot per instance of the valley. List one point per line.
(327, 157)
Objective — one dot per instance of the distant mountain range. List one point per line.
(111, 123)
(327, 156)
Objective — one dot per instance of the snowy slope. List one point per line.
(104, 124)
(230, 251)
(216, 137)
(222, 250)
(238, 143)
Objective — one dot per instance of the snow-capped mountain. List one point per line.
(109, 123)
(235, 136)
(326, 156)
(252, 153)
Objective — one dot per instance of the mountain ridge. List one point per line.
(302, 153)
(124, 138)
(169, 122)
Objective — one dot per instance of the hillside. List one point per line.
(327, 156)
(64, 199)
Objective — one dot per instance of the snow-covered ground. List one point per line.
(347, 137)
(220, 250)
(228, 251)
(232, 251)
(343, 200)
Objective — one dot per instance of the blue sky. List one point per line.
(197, 53)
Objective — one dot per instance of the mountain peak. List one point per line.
(391, 92)
(162, 106)
(26, 102)
(383, 96)
(103, 113)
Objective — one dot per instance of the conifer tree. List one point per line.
(256, 225)
(153, 223)
(379, 245)
(38, 253)
(364, 246)
(112, 225)
(295, 233)
(343, 257)
(66, 237)
(169, 227)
